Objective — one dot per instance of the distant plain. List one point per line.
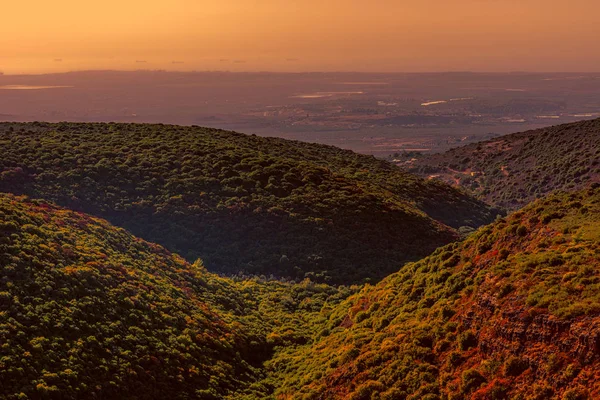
(378, 114)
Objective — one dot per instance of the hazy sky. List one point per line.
(300, 35)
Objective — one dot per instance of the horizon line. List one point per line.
(161, 70)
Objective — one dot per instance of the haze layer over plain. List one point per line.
(384, 35)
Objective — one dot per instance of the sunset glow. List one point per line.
(277, 35)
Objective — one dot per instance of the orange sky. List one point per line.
(307, 35)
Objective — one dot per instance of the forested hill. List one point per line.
(89, 311)
(513, 170)
(241, 203)
(513, 312)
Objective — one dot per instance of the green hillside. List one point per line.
(511, 313)
(89, 311)
(241, 203)
(513, 170)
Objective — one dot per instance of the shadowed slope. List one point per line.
(241, 203)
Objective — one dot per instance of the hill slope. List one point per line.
(89, 311)
(511, 313)
(513, 170)
(241, 203)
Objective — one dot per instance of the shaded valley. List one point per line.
(244, 204)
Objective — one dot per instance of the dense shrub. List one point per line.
(471, 379)
(513, 170)
(243, 204)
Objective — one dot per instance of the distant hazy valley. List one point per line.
(379, 114)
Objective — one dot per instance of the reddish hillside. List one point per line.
(511, 313)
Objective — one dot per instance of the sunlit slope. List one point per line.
(241, 203)
(513, 170)
(89, 311)
(511, 313)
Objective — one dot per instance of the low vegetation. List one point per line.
(513, 170)
(243, 204)
(510, 313)
(89, 311)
